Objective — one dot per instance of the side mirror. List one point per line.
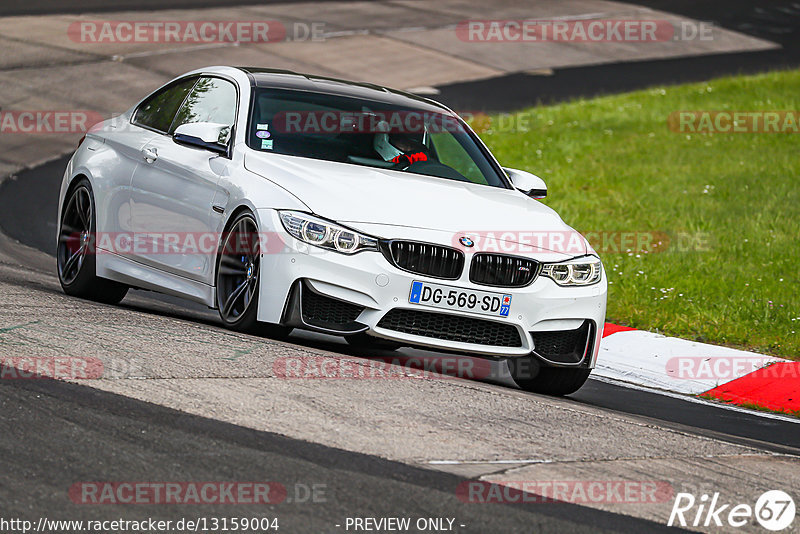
(208, 135)
(528, 183)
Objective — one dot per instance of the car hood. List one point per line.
(355, 194)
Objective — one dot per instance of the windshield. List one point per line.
(363, 132)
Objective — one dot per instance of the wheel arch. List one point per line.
(73, 182)
(235, 213)
(72, 175)
(68, 186)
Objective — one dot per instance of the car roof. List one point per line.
(286, 79)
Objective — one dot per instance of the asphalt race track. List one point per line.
(147, 442)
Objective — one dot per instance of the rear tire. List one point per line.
(76, 251)
(557, 381)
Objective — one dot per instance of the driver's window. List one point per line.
(450, 152)
(210, 100)
(158, 111)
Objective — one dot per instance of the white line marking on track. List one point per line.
(480, 462)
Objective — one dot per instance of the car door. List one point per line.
(125, 139)
(119, 155)
(174, 186)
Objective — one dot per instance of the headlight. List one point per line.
(325, 234)
(583, 271)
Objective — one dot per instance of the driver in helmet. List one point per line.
(399, 148)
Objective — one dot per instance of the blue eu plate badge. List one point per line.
(505, 307)
(416, 292)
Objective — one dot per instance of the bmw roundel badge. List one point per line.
(467, 242)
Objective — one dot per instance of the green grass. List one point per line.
(612, 164)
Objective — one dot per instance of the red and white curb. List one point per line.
(666, 363)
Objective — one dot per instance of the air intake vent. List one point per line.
(451, 328)
(427, 259)
(502, 271)
(319, 310)
(564, 346)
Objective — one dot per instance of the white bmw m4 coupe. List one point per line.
(296, 201)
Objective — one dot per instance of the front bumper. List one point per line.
(369, 281)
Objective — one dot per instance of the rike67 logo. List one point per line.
(774, 510)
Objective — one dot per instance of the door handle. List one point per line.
(150, 155)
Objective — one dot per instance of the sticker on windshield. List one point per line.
(266, 144)
(262, 134)
(262, 126)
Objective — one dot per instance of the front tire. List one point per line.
(238, 275)
(557, 381)
(75, 253)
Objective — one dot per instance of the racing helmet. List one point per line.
(391, 145)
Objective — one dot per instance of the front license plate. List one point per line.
(456, 298)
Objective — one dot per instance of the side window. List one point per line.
(210, 100)
(158, 111)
